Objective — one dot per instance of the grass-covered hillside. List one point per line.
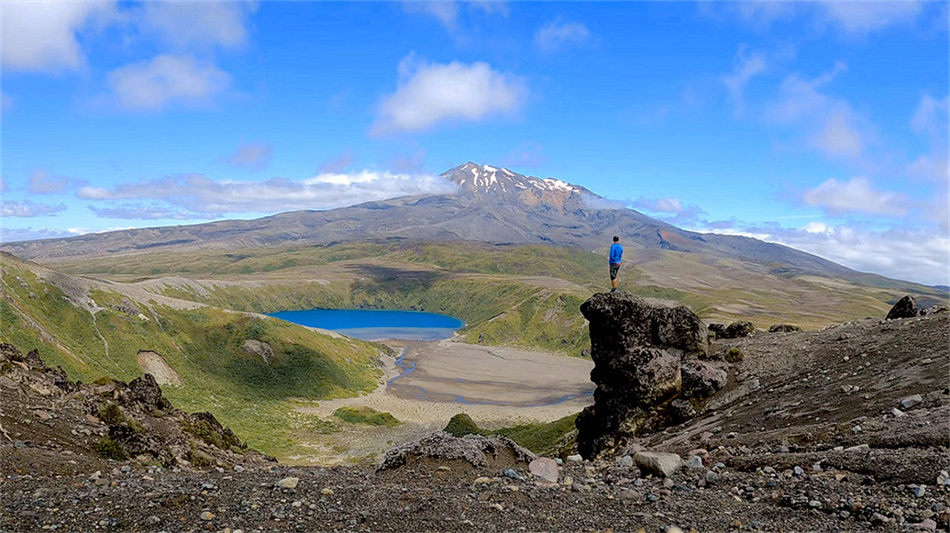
(95, 330)
(519, 295)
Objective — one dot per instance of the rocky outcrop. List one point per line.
(784, 328)
(906, 307)
(495, 453)
(115, 420)
(638, 350)
(703, 378)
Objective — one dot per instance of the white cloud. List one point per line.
(28, 208)
(856, 196)
(41, 35)
(747, 67)
(919, 254)
(42, 182)
(203, 196)
(800, 98)
(659, 205)
(430, 93)
(167, 79)
(839, 136)
(132, 211)
(186, 25)
(252, 156)
(559, 34)
(930, 116)
(445, 11)
(8, 235)
(863, 17)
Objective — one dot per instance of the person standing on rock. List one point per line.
(616, 253)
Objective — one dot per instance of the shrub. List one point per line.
(112, 414)
(110, 449)
(461, 425)
(365, 415)
(734, 355)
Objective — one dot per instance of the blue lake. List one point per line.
(372, 324)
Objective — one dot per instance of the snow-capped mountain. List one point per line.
(502, 185)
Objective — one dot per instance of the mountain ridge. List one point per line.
(492, 205)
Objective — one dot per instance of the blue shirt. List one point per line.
(616, 252)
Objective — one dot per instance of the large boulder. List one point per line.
(620, 321)
(906, 307)
(493, 453)
(638, 348)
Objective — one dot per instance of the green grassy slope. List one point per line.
(518, 295)
(93, 330)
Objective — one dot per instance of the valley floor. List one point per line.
(496, 386)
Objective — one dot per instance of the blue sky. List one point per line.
(819, 125)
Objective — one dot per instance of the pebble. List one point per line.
(576, 458)
(858, 448)
(919, 491)
(626, 461)
(238, 468)
(856, 429)
(667, 483)
(510, 473)
(769, 470)
(288, 483)
(482, 480)
(695, 462)
(816, 467)
(912, 401)
(673, 529)
(568, 481)
(651, 497)
(798, 471)
(711, 477)
(780, 449)
(153, 520)
(326, 491)
(814, 504)
(897, 412)
(928, 525)
(844, 514)
(206, 516)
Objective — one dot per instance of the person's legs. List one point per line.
(614, 269)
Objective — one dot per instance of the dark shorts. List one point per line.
(614, 269)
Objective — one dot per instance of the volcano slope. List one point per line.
(777, 450)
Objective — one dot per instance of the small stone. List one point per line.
(512, 474)
(483, 480)
(844, 514)
(841, 477)
(667, 483)
(206, 516)
(326, 491)
(153, 520)
(769, 470)
(101, 482)
(780, 449)
(497, 506)
(711, 477)
(919, 491)
(288, 483)
(695, 462)
(838, 449)
(928, 525)
(858, 448)
(544, 468)
(297, 504)
(443, 468)
(798, 471)
(897, 412)
(731, 435)
(625, 461)
(568, 481)
(816, 467)
(856, 429)
(673, 529)
(238, 468)
(878, 518)
(814, 504)
(576, 458)
(651, 497)
(912, 401)
(660, 463)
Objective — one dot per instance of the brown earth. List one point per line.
(805, 438)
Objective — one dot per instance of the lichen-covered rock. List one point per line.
(738, 329)
(703, 378)
(493, 452)
(906, 307)
(784, 328)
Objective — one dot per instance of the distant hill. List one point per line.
(491, 205)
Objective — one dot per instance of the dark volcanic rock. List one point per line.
(906, 307)
(637, 348)
(784, 328)
(703, 378)
(737, 330)
(621, 321)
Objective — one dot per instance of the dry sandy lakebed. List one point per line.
(433, 381)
